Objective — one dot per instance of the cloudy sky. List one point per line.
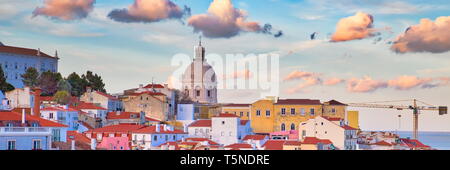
(349, 50)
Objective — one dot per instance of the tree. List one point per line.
(64, 85)
(62, 97)
(77, 83)
(48, 82)
(31, 77)
(94, 81)
(4, 86)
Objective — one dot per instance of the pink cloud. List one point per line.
(354, 27)
(366, 84)
(225, 21)
(408, 82)
(297, 75)
(333, 81)
(427, 36)
(65, 9)
(149, 11)
(308, 82)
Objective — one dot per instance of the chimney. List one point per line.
(93, 144)
(72, 145)
(37, 102)
(38, 52)
(23, 116)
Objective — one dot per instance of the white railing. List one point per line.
(23, 129)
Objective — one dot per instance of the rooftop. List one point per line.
(14, 116)
(24, 51)
(298, 102)
(201, 123)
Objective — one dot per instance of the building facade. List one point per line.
(16, 60)
(199, 81)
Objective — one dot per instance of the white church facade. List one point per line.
(199, 81)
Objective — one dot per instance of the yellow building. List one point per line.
(241, 110)
(273, 114)
(353, 119)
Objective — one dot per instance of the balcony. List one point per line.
(24, 131)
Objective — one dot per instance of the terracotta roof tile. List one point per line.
(24, 51)
(255, 137)
(14, 116)
(239, 145)
(201, 123)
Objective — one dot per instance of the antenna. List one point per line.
(200, 40)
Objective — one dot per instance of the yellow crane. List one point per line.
(414, 107)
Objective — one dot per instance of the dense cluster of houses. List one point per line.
(99, 121)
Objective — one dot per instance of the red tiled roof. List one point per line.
(314, 140)
(151, 119)
(14, 116)
(201, 140)
(383, 143)
(59, 109)
(23, 51)
(123, 115)
(244, 122)
(147, 92)
(122, 128)
(171, 144)
(298, 101)
(201, 123)
(107, 95)
(236, 105)
(255, 137)
(239, 145)
(332, 118)
(413, 143)
(77, 137)
(156, 86)
(88, 106)
(226, 115)
(295, 143)
(334, 102)
(274, 145)
(152, 130)
(347, 127)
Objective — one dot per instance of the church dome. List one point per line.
(207, 74)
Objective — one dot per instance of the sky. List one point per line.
(362, 50)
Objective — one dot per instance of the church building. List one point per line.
(199, 80)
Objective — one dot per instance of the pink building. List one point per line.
(114, 143)
(286, 135)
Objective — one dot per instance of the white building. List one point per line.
(63, 115)
(199, 80)
(16, 60)
(20, 98)
(151, 137)
(200, 129)
(228, 129)
(343, 136)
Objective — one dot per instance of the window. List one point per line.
(11, 145)
(292, 111)
(283, 111)
(209, 93)
(333, 110)
(283, 127)
(174, 137)
(248, 114)
(258, 112)
(302, 111)
(267, 113)
(292, 126)
(196, 131)
(50, 115)
(242, 114)
(56, 134)
(155, 138)
(167, 137)
(37, 144)
(197, 92)
(303, 133)
(9, 125)
(312, 111)
(223, 122)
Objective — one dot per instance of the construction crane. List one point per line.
(414, 107)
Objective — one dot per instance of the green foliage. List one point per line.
(48, 82)
(64, 85)
(77, 83)
(4, 86)
(31, 77)
(62, 97)
(94, 81)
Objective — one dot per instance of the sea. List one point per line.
(437, 140)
